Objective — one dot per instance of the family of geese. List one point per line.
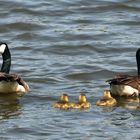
(122, 85)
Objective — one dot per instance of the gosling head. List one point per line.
(107, 94)
(82, 98)
(64, 98)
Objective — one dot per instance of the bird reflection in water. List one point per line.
(132, 102)
(9, 106)
(128, 102)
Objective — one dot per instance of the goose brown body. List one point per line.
(125, 85)
(12, 83)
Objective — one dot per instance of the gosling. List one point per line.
(107, 100)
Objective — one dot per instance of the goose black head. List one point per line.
(4, 50)
(138, 60)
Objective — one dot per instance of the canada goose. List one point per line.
(63, 102)
(107, 100)
(126, 85)
(10, 83)
(82, 102)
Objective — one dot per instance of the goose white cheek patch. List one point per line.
(2, 48)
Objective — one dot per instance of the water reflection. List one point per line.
(108, 109)
(9, 106)
(129, 102)
(124, 102)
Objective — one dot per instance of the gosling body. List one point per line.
(107, 100)
(63, 102)
(82, 102)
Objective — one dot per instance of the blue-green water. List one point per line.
(63, 46)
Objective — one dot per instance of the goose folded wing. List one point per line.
(13, 77)
(133, 81)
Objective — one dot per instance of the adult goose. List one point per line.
(10, 83)
(126, 85)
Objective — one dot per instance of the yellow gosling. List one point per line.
(82, 102)
(107, 100)
(63, 102)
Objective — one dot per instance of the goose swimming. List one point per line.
(126, 85)
(10, 83)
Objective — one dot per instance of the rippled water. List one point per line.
(63, 46)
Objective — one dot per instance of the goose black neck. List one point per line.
(6, 61)
(138, 60)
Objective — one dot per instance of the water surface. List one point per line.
(67, 47)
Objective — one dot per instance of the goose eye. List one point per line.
(2, 48)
